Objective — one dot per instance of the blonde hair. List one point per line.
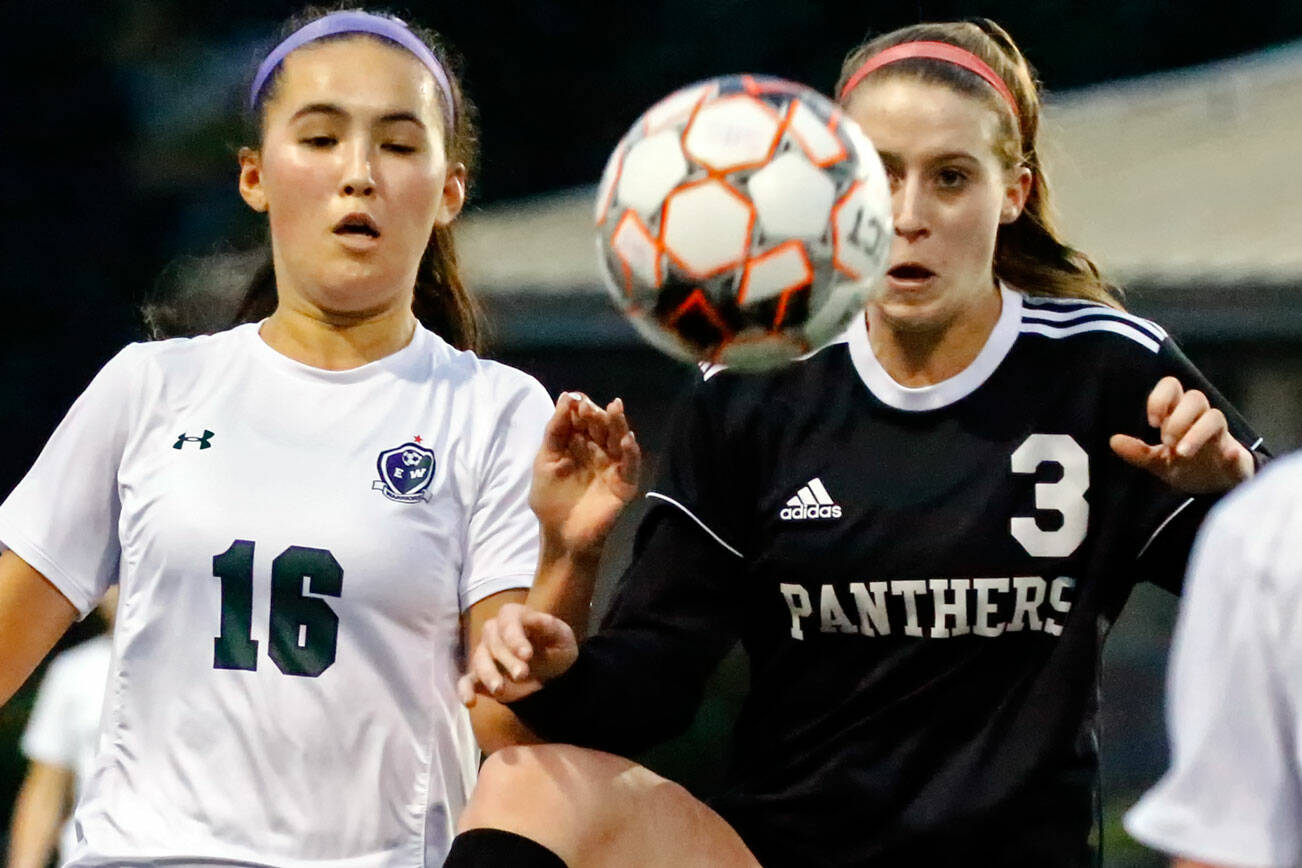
(1029, 252)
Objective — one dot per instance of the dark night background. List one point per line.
(122, 120)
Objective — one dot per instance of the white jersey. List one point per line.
(1233, 794)
(64, 725)
(295, 548)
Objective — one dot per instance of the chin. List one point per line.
(913, 314)
(355, 295)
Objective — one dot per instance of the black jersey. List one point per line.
(922, 579)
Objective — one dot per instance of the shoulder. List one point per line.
(781, 389)
(496, 387)
(149, 368)
(178, 356)
(1077, 322)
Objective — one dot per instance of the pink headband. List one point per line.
(933, 51)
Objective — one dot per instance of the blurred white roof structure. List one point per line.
(1185, 187)
(1186, 176)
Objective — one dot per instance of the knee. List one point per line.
(525, 784)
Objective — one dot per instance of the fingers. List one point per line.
(630, 464)
(1187, 420)
(482, 675)
(556, 436)
(466, 690)
(617, 427)
(1136, 452)
(1163, 399)
(589, 426)
(544, 629)
(507, 643)
(1206, 428)
(1197, 453)
(497, 655)
(1191, 407)
(503, 653)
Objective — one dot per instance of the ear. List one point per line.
(1016, 193)
(454, 195)
(251, 188)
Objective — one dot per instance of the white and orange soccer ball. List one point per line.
(743, 221)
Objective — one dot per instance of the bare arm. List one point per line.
(1185, 863)
(33, 615)
(585, 472)
(38, 815)
(494, 724)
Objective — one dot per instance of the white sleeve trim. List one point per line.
(1161, 527)
(37, 559)
(495, 585)
(704, 527)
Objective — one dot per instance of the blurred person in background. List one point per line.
(59, 743)
(311, 513)
(924, 652)
(1233, 795)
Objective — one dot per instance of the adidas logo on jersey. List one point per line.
(811, 502)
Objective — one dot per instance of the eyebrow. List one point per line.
(327, 108)
(953, 155)
(891, 157)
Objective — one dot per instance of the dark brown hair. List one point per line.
(1029, 253)
(440, 299)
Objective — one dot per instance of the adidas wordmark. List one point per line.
(811, 502)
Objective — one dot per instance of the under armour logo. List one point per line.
(202, 441)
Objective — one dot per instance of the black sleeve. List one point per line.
(1171, 518)
(709, 469)
(639, 679)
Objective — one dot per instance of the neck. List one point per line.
(338, 341)
(922, 355)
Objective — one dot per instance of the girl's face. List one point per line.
(352, 173)
(950, 192)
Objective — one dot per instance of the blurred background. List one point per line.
(1174, 132)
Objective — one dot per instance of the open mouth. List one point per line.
(911, 271)
(357, 224)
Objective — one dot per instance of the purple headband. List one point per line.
(338, 23)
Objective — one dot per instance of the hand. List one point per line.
(1197, 455)
(519, 650)
(585, 472)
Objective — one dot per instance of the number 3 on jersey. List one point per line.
(1065, 497)
(304, 629)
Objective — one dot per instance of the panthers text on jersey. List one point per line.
(295, 549)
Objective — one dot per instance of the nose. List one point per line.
(908, 204)
(357, 180)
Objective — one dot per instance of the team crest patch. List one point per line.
(405, 473)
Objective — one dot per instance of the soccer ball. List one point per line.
(743, 221)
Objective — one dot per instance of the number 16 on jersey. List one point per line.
(304, 630)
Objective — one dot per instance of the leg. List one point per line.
(595, 809)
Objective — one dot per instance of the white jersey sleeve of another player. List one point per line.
(64, 720)
(48, 738)
(1233, 794)
(62, 517)
(502, 535)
